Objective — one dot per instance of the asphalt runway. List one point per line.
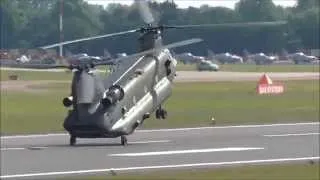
(50, 156)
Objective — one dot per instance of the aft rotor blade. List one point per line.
(107, 62)
(88, 38)
(145, 11)
(169, 46)
(242, 24)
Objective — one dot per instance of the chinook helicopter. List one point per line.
(116, 105)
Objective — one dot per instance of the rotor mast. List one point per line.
(61, 29)
(150, 39)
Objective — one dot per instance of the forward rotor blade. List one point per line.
(145, 11)
(41, 66)
(88, 38)
(244, 24)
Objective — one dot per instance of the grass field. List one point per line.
(192, 104)
(255, 68)
(261, 172)
(24, 75)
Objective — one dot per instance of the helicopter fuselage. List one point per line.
(119, 104)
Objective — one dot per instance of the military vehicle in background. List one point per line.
(206, 65)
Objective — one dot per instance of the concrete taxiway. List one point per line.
(182, 77)
(190, 76)
(49, 155)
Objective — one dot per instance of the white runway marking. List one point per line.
(22, 148)
(168, 130)
(262, 161)
(35, 148)
(11, 149)
(33, 136)
(286, 135)
(147, 142)
(157, 153)
(229, 127)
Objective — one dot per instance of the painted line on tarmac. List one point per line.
(169, 130)
(148, 142)
(229, 127)
(157, 153)
(287, 135)
(12, 149)
(78, 172)
(40, 147)
(23, 148)
(36, 70)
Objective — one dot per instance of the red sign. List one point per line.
(266, 86)
(270, 89)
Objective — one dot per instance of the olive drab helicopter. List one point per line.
(115, 105)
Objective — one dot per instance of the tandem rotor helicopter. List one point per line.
(115, 105)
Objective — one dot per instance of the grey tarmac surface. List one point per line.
(50, 156)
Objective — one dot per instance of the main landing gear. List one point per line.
(124, 141)
(161, 113)
(73, 140)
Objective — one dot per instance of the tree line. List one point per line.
(35, 23)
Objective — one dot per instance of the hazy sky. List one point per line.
(198, 3)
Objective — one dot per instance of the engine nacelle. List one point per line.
(67, 101)
(112, 95)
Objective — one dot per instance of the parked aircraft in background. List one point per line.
(225, 58)
(301, 58)
(188, 58)
(260, 58)
(23, 59)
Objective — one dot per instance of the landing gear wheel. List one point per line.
(158, 114)
(73, 140)
(163, 114)
(124, 141)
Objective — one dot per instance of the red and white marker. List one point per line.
(266, 86)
